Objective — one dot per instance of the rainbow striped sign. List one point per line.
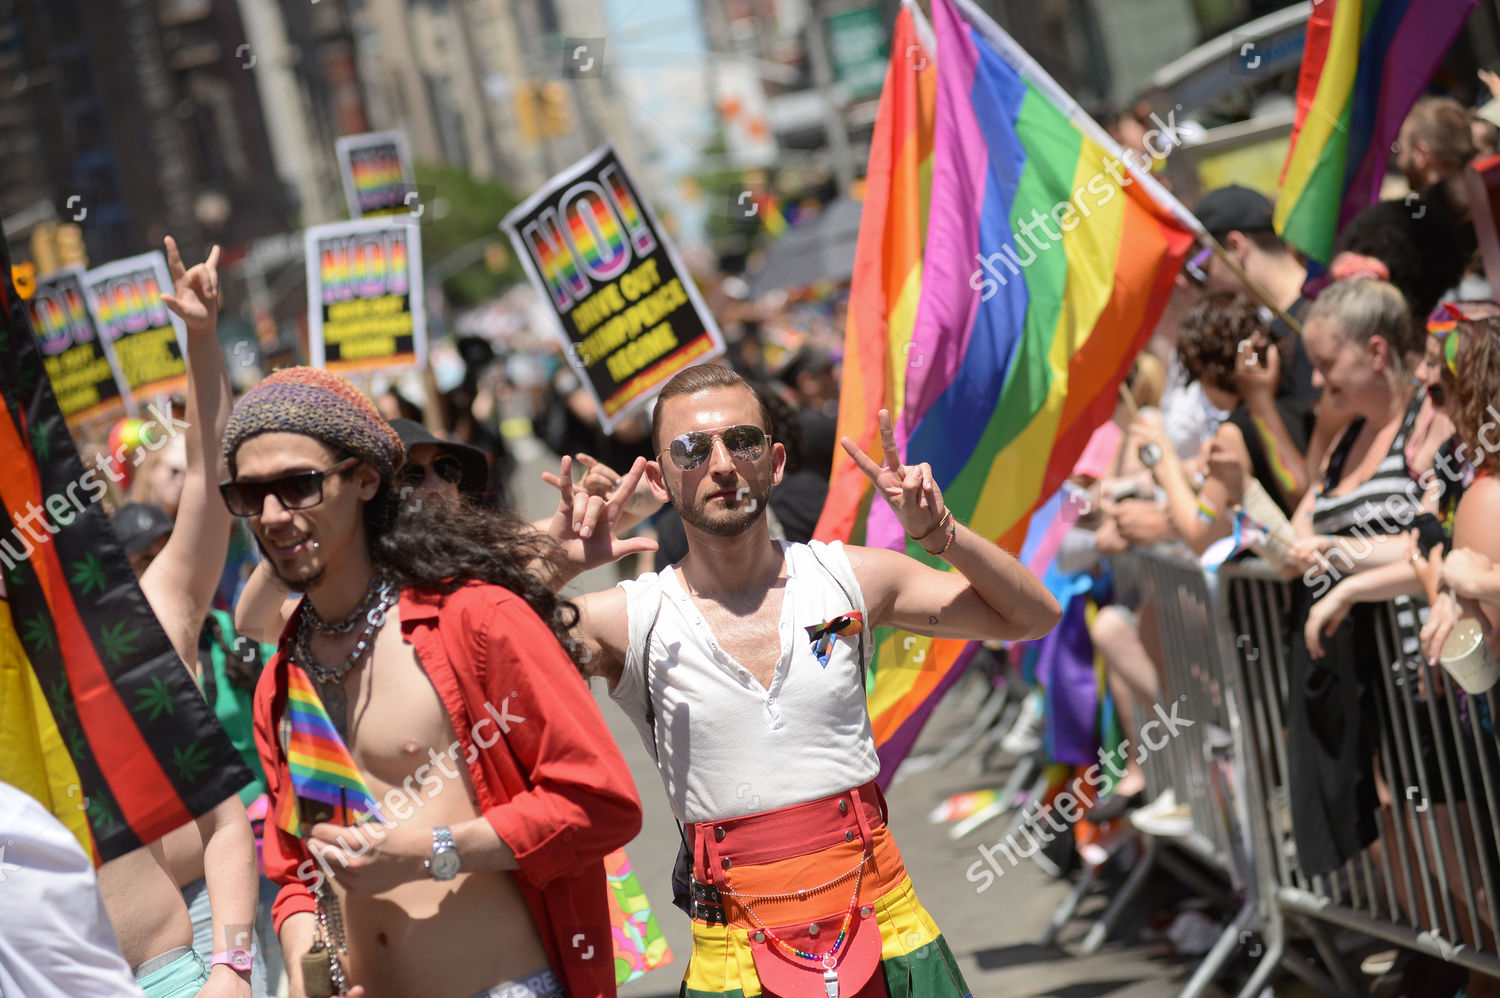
(87, 385)
(629, 314)
(364, 296)
(143, 340)
(376, 168)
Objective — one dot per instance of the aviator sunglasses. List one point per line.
(744, 443)
(300, 490)
(445, 466)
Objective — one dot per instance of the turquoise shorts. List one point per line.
(182, 976)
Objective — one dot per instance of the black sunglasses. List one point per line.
(445, 466)
(300, 490)
(744, 443)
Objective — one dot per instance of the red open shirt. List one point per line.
(555, 788)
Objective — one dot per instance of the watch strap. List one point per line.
(235, 959)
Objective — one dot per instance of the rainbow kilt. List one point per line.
(905, 949)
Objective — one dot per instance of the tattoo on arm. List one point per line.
(932, 619)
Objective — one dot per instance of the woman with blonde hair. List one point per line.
(1353, 518)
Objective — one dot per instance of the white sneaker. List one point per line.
(1163, 817)
(1025, 736)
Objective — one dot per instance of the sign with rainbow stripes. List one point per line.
(630, 315)
(88, 387)
(364, 296)
(376, 168)
(99, 721)
(143, 340)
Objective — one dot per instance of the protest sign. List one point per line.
(630, 314)
(364, 296)
(377, 173)
(87, 386)
(144, 341)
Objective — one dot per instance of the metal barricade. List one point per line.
(1428, 882)
(1196, 760)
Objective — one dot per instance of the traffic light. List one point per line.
(526, 113)
(70, 249)
(55, 246)
(557, 114)
(496, 259)
(44, 248)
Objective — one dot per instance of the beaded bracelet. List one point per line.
(952, 532)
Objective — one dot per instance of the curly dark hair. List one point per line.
(1419, 248)
(1210, 338)
(1478, 385)
(436, 547)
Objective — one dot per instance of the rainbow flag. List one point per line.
(995, 374)
(1364, 65)
(99, 719)
(322, 768)
(887, 265)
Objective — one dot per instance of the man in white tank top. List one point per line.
(742, 667)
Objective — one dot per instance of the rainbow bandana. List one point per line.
(322, 769)
(822, 635)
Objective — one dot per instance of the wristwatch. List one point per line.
(235, 959)
(444, 862)
(1150, 454)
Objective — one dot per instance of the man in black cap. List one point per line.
(1240, 219)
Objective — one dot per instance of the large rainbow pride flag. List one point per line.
(997, 341)
(100, 720)
(1363, 67)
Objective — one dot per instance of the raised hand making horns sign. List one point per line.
(195, 292)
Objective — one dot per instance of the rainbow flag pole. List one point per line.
(997, 350)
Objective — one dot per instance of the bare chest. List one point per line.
(749, 634)
(392, 719)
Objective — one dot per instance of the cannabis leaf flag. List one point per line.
(99, 718)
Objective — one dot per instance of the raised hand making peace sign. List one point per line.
(195, 296)
(911, 491)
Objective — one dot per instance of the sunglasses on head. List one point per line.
(445, 466)
(299, 490)
(1443, 324)
(744, 443)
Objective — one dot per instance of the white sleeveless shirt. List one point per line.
(727, 746)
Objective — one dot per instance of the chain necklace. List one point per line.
(376, 590)
(829, 960)
(374, 619)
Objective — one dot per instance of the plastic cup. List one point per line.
(1467, 658)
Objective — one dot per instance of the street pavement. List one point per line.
(994, 935)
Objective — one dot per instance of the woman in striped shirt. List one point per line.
(1358, 335)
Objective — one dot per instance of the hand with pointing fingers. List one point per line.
(195, 292)
(913, 494)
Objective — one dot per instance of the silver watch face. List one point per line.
(445, 864)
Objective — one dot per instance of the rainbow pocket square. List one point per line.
(822, 635)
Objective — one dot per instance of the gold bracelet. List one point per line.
(952, 533)
(947, 515)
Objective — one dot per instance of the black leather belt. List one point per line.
(707, 904)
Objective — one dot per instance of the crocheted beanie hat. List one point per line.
(318, 404)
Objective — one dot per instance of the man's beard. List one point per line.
(297, 585)
(729, 523)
